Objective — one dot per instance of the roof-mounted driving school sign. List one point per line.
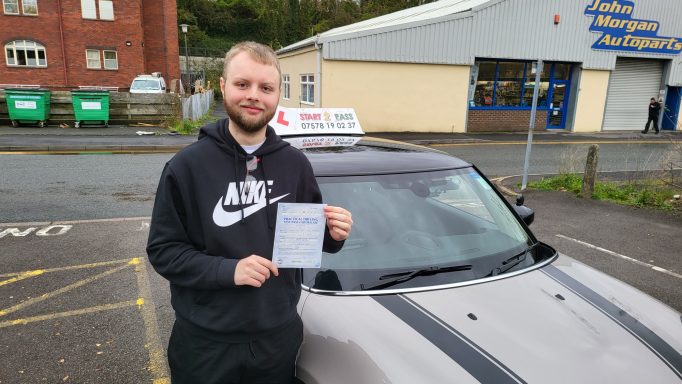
(317, 127)
(621, 32)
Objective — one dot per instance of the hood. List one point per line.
(545, 326)
(220, 134)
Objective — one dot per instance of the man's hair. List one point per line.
(258, 52)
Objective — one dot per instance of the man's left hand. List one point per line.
(339, 222)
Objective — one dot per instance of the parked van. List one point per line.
(153, 83)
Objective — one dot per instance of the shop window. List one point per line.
(485, 85)
(91, 8)
(562, 71)
(308, 89)
(286, 85)
(25, 53)
(529, 86)
(28, 7)
(510, 84)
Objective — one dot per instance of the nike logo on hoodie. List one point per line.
(254, 193)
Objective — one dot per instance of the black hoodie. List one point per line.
(202, 226)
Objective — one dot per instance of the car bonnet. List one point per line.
(564, 322)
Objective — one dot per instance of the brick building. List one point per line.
(63, 44)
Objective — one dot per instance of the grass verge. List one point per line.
(650, 193)
(189, 127)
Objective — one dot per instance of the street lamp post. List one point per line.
(187, 67)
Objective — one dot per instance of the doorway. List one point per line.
(559, 89)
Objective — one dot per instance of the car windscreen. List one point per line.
(146, 85)
(419, 222)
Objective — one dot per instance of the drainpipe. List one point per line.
(61, 35)
(318, 74)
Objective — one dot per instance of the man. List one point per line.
(212, 234)
(654, 112)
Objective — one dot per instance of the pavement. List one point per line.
(160, 139)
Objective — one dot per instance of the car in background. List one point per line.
(153, 83)
(442, 281)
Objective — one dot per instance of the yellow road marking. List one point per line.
(22, 276)
(69, 268)
(549, 143)
(51, 316)
(67, 288)
(157, 360)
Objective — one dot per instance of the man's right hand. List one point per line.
(253, 271)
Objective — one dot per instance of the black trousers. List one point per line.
(655, 120)
(198, 359)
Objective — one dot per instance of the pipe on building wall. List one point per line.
(318, 74)
(61, 35)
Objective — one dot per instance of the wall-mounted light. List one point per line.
(129, 44)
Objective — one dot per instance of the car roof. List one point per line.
(371, 156)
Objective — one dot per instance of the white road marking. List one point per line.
(44, 223)
(630, 259)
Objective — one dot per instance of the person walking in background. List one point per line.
(654, 112)
(212, 233)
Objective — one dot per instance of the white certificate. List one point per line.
(299, 235)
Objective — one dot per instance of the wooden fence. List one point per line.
(124, 108)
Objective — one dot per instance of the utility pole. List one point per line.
(187, 67)
(536, 91)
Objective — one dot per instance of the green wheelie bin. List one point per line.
(28, 106)
(90, 106)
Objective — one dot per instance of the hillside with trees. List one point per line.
(215, 25)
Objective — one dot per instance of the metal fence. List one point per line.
(197, 105)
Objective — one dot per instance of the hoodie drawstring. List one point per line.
(267, 194)
(236, 177)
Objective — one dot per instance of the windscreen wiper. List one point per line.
(397, 278)
(511, 262)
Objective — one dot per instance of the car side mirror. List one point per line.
(526, 214)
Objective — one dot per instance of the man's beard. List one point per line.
(237, 117)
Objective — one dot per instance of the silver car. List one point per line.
(441, 281)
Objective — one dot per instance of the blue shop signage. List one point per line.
(621, 32)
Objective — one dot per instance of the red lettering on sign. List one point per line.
(280, 119)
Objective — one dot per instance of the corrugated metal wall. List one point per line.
(512, 29)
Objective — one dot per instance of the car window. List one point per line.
(417, 220)
(147, 85)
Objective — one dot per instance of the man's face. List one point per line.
(250, 92)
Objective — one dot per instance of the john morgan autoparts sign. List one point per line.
(622, 32)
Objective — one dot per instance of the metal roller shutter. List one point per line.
(632, 84)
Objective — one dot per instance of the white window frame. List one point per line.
(6, 3)
(24, 46)
(308, 89)
(97, 9)
(115, 59)
(88, 58)
(286, 87)
(90, 7)
(109, 7)
(31, 2)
